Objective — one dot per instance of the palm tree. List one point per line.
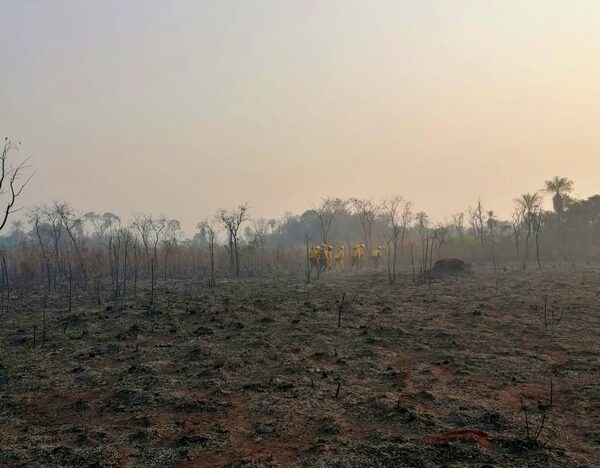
(559, 187)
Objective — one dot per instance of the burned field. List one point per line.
(489, 369)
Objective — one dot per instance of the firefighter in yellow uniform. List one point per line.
(329, 256)
(354, 257)
(339, 258)
(361, 254)
(357, 256)
(314, 255)
(376, 256)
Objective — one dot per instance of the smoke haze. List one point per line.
(186, 107)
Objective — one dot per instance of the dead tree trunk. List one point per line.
(412, 259)
(70, 287)
(6, 282)
(152, 282)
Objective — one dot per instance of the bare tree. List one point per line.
(211, 227)
(157, 226)
(326, 213)
(492, 227)
(441, 236)
(13, 180)
(74, 226)
(259, 238)
(232, 221)
(170, 235)
(538, 229)
(477, 219)
(458, 224)
(143, 225)
(406, 220)
(367, 211)
(135, 238)
(530, 205)
(517, 225)
(128, 238)
(113, 236)
(424, 234)
(55, 222)
(16, 179)
(391, 210)
(115, 239)
(36, 217)
(398, 223)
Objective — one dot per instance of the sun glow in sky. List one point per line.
(182, 107)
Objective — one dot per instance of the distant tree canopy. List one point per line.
(106, 253)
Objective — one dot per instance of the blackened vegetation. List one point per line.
(259, 372)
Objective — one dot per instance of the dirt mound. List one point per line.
(451, 266)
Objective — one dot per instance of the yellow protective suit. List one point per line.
(376, 256)
(314, 254)
(358, 252)
(328, 256)
(340, 254)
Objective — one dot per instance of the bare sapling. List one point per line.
(152, 282)
(534, 431)
(344, 306)
(6, 282)
(308, 264)
(44, 326)
(551, 320)
(545, 309)
(388, 243)
(412, 261)
(340, 307)
(337, 391)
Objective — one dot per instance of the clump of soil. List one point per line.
(451, 266)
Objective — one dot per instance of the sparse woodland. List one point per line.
(150, 348)
(55, 246)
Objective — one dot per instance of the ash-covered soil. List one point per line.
(258, 373)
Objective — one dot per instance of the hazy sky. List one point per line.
(182, 107)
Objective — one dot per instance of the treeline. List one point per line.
(55, 246)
